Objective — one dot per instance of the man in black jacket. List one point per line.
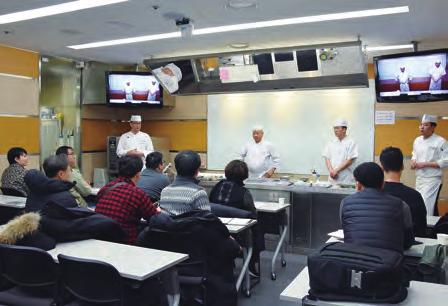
(51, 188)
(392, 162)
(373, 218)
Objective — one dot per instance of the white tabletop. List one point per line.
(11, 201)
(419, 293)
(271, 207)
(432, 220)
(237, 225)
(131, 261)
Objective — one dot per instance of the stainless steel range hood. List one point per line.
(338, 65)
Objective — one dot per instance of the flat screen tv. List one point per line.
(412, 77)
(124, 88)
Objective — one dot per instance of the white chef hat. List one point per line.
(340, 122)
(176, 71)
(136, 118)
(257, 127)
(429, 118)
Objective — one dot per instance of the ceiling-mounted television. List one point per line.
(412, 77)
(124, 88)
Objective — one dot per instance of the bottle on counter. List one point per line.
(313, 178)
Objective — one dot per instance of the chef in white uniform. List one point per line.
(169, 76)
(339, 155)
(429, 157)
(436, 72)
(128, 90)
(260, 156)
(135, 142)
(403, 78)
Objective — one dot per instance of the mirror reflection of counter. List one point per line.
(314, 211)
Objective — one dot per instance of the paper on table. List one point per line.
(225, 220)
(239, 221)
(337, 234)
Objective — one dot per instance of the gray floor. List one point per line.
(267, 292)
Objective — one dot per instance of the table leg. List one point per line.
(171, 284)
(244, 274)
(280, 246)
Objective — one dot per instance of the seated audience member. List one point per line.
(54, 187)
(152, 179)
(372, 217)
(13, 176)
(81, 189)
(392, 162)
(124, 202)
(184, 194)
(231, 191)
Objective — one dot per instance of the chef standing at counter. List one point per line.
(135, 142)
(260, 156)
(339, 154)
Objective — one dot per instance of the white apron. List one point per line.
(428, 188)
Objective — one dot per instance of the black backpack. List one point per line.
(354, 273)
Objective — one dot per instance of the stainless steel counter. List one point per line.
(314, 211)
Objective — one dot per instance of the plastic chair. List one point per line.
(12, 192)
(33, 271)
(91, 281)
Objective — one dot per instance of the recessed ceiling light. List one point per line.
(55, 10)
(241, 4)
(239, 45)
(253, 25)
(391, 47)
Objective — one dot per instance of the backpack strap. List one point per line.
(113, 187)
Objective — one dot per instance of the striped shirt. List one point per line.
(182, 196)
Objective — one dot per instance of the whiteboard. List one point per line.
(298, 123)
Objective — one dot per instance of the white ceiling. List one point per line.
(426, 23)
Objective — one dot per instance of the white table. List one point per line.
(414, 251)
(132, 262)
(431, 221)
(238, 226)
(12, 202)
(276, 208)
(419, 294)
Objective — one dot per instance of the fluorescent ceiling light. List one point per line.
(302, 20)
(55, 10)
(386, 48)
(252, 25)
(129, 40)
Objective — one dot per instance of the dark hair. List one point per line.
(63, 150)
(236, 171)
(391, 159)
(154, 159)
(370, 175)
(187, 163)
(129, 166)
(55, 163)
(14, 153)
(433, 124)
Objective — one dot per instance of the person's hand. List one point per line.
(413, 164)
(420, 165)
(269, 173)
(333, 173)
(158, 210)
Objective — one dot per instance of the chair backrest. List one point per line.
(27, 266)
(180, 242)
(229, 211)
(91, 280)
(12, 192)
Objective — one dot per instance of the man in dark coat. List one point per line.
(54, 187)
